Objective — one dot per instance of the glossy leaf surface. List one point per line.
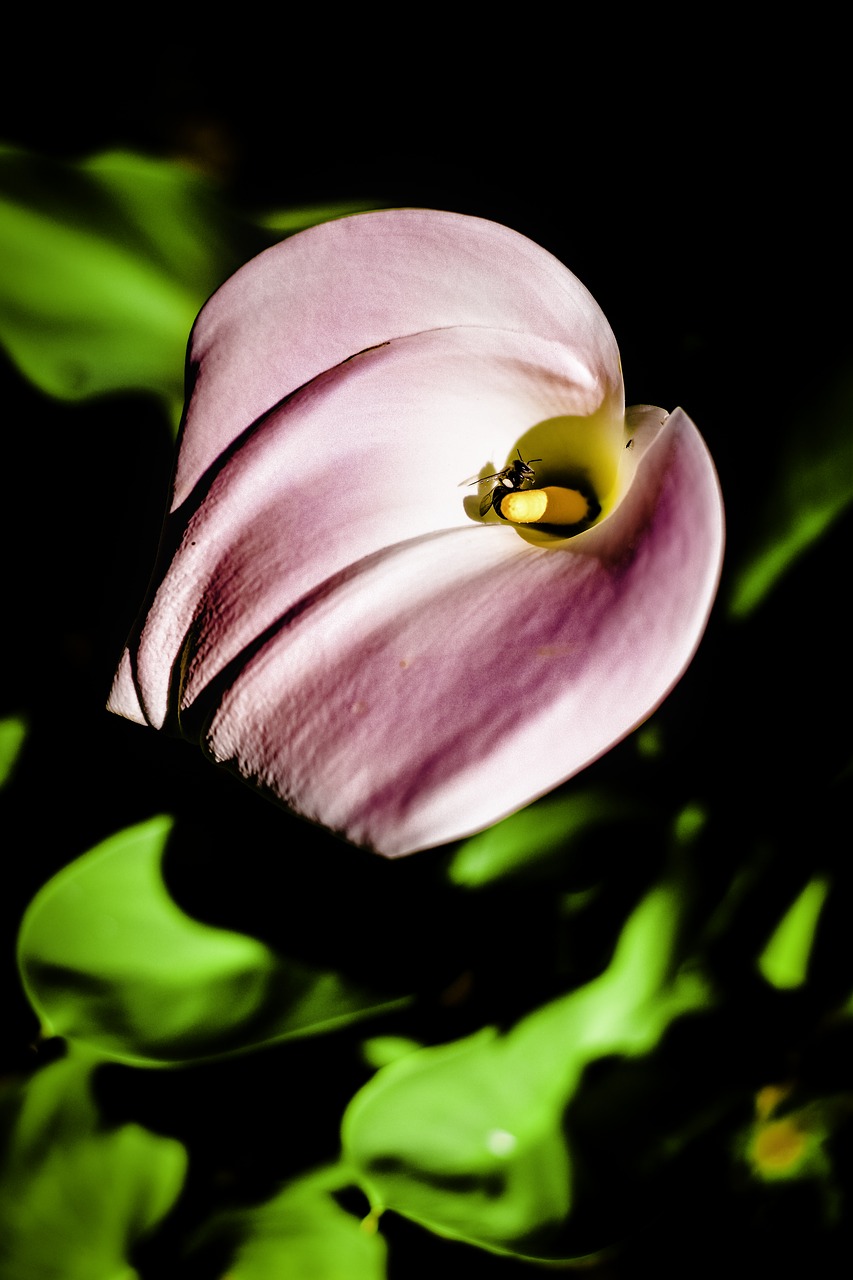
(111, 961)
(467, 1138)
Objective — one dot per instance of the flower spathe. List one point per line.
(332, 617)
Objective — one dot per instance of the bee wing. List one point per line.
(475, 479)
(486, 502)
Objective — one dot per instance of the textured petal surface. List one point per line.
(330, 616)
(363, 458)
(446, 681)
(319, 298)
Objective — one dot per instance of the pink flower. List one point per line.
(331, 615)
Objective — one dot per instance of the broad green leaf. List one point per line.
(302, 1232)
(808, 486)
(75, 1195)
(105, 264)
(533, 837)
(784, 961)
(13, 732)
(110, 961)
(467, 1138)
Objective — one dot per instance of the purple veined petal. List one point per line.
(332, 618)
(369, 455)
(441, 684)
(317, 299)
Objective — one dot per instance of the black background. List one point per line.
(693, 176)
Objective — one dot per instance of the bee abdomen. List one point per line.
(497, 496)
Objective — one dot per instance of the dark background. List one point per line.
(693, 177)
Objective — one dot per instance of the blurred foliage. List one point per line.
(104, 265)
(111, 962)
(616, 1027)
(76, 1194)
(13, 732)
(467, 1138)
(524, 842)
(783, 1143)
(300, 1232)
(808, 485)
(784, 961)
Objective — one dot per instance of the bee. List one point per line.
(515, 476)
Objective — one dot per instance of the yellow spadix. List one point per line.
(551, 505)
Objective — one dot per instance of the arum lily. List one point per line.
(339, 613)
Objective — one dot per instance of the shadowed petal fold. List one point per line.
(444, 682)
(330, 615)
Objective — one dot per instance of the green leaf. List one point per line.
(302, 1232)
(535, 836)
(105, 265)
(74, 1195)
(784, 961)
(110, 961)
(809, 485)
(13, 732)
(467, 1138)
(289, 221)
(379, 1051)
